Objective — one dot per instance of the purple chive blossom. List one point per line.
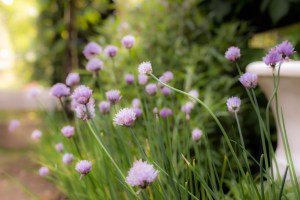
(72, 79)
(166, 77)
(68, 131)
(44, 171)
(145, 68)
(143, 79)
(36, 135)
(91, 50)
(138, 112)
(196, 134)
(94, 65)
(151, 89)
(194, 93)
(68, 158)
(13, 125)
(83, 167)
(248, 80)
(166, 91)
(286, 49)
(33, 93)
(166, 112)
(141, 174)
(60, 90)
(111, 51)
(187, 108)
(104, 107)
(136, 103)
(272, 58)
(128, 41)
(82, 94)
(125, 117)
(59, 147)
(83, 113)
(113, 96)
(233, 53)
(233, 104)
(129, 78)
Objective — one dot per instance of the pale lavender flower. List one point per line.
(233, 104)
(129, 78)
(145, 68)
(111, 51)
(196, 134)
(59, 147)
(286, 49)
(248, 80)
(44, 171)
(155, 110)
(68, 131)
(104, 107)
(272, 58)
(166, 91)
(128, 41)
(138, 112)
(68, 158)
(143, 79)
(13, 125)
(141, 174)
(166, 112)
(83, 167)
(72, 79)
(166, 77)
(82, 94)
(83, 113)
(94, 65)
(113, 96)
(60, 90)
(136, 103)
(194, 93)
(91, 50)
(187, 108)
(151, 89)
(125, 117)
(33, 92)
(233, 53)
(36, 135)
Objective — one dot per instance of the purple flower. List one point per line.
(82, 112)
(72, 79)
(272, 58)
(286, 49)
(233, 104)
(94, 65)
(13, 125)
(111, 51)
(91, 50)
(196, 134)
(113, 96)
(233, 53)
(138, 112)
(129, 78)
(166, 112)
(194, 93)
(82, 94)
(141, 174)
(248, 80)
(36, 135)
(166, 91)
(151, 89)
(143, 79)
(145, 68)
(44, 171)
(187, 108)
(59, 147)
(60, 90)
(104, 107)
(83, 167)
(136, 103)
(166, 77)
(33, 92)
(68, 131)
(68, 158)
(128, 41)
(125, 117)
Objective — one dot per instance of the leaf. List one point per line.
(278, 9)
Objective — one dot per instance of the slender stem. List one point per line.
(63, 108)
(138, 143)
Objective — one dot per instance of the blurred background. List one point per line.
(42, 41)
